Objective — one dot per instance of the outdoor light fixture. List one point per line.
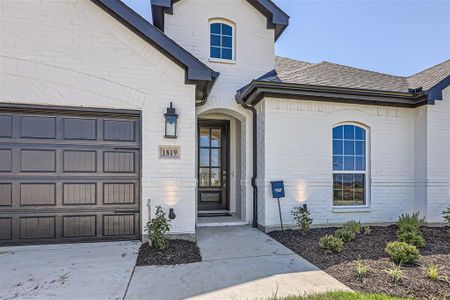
(171, 123)
(172, 214)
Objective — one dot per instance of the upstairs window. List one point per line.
(221, 41)
(349, 165)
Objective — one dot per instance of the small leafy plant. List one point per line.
(302, 217)
(345, 235)
(402, 253)
(409, 229)
(433, 272)
(157, 227)
(395, 273)
(408, 222)
(331, 243)
(412, 237)
(367, 230)
(446, 215)
(353, 226)
(361, 270)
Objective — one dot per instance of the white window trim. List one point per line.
(233, 40)
(368, 180)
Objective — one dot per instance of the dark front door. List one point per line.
(213, 145)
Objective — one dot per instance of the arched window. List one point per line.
(349, 165)
(221, 41)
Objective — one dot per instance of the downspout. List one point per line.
(201, 102)
(255, 165)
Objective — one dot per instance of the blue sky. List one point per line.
(399, 37)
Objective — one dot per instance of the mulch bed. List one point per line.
(177, 252)
(370, 250)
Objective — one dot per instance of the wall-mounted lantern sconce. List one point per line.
(172, 214)
(171, 123)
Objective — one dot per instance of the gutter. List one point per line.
(255, 164)
(207, 90)
(256, 90)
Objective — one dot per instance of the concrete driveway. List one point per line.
(75, 271)
(238, 263)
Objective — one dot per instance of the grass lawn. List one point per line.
(341, 296)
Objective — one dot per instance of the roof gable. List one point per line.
(196, 71)
(276, 18)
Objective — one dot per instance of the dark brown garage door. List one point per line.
(68, 175)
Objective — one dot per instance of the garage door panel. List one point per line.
(79, 193)
(69, 177)
(118, 162)
(80, 129)
(5, 228)
(118, 193)
(119, 225)
(5, 194)
(38, 127)
(119, 130)
(80, 161)
(36, 194)
(38, 227)
(5, 160)
(79, 226)
(5, 126)
(38, 160)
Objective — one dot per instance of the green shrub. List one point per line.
(331, 243)
(345, 235)
(407, 222)
(407, 228)
(446, 215)
(302, 217)
(395, 273)
(353, 226)
(157, 227)
(402, 253)
(361, 270)
(412, 238)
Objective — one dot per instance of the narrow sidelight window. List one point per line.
(221, 41)
(349, 165)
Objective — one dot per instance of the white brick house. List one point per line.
(85, 85)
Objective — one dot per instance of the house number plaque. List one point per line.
(169, 152)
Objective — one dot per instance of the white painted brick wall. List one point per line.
(73, 53)
(298, 149)
(438, 158)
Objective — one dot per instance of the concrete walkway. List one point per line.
(238, 263)
(72, 271)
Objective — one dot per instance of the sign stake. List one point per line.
(278, 192)
(281, 218)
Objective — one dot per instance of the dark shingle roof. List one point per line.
(431, 76)
(335, 75)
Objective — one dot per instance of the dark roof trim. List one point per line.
(435, 93)
(257, 90)
(276, 18)
(196, 72)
